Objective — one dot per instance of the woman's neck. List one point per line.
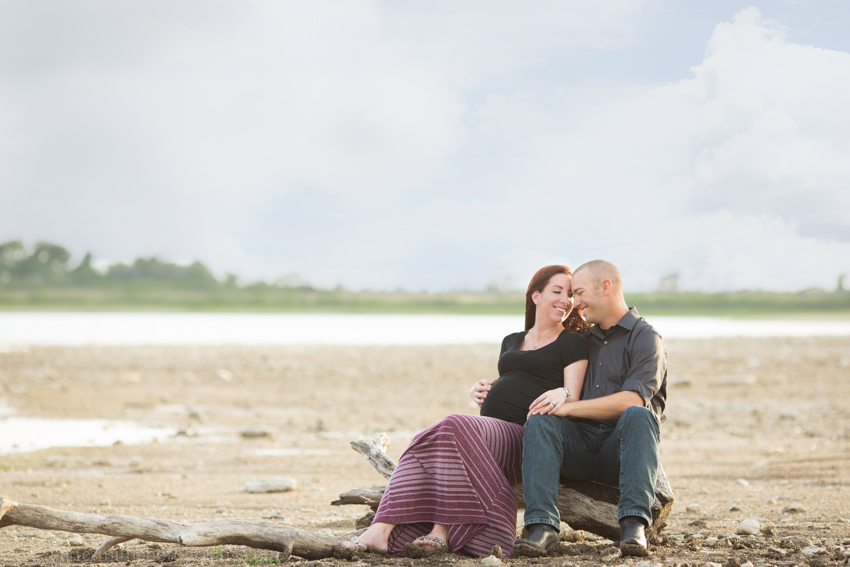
(541, 335)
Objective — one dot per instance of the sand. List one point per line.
(757, 428)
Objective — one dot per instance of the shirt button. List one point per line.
(604, 342)
(597, 385)
(600, 364)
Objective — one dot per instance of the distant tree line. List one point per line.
(42, 277)
(47, 265)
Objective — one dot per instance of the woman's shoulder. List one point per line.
(572, 337)
(513, 341)
(573, 345)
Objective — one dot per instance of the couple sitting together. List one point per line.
(580, 395)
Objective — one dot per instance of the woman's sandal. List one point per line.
(419, 551)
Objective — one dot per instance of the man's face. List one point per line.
(588, 299)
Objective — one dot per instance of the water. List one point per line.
(25, 434)
(20, 329)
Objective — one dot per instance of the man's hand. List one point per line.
(606, 407)
(480, 390)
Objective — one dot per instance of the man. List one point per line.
(611, 434)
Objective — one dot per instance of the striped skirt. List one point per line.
(459, 473)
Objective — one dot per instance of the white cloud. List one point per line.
(383, 144)
(734, 178)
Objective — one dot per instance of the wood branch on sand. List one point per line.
(259, 535)
(584, 505)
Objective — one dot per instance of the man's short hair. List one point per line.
(599, 270)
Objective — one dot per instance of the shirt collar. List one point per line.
(628, 322)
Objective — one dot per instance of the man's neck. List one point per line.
(614, 318)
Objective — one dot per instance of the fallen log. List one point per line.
(259, 535)
(584, 505)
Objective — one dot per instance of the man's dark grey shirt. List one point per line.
(630, 357)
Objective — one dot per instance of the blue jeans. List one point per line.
(624, 456)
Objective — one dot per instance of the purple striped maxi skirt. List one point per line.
(459, 473)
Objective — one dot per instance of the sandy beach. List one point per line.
(757, 428)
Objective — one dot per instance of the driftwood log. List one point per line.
(588, 506)
(259, 535)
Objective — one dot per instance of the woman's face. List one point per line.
(555, 302)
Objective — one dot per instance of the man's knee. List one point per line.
(542, 425)
(543, 429)
(638, 415)
(638, 420)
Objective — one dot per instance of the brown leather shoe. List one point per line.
(540, 536)
(632, 536)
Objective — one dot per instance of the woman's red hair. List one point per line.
(573, 322)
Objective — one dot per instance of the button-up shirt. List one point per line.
(630, 356)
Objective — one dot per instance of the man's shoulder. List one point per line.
(640, 324)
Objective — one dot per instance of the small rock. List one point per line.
(224, 374)
(732, 562)
(693, 509)
(491, 561)
(710, 541)
(750, 526)
(777, 551)
(76, 541)
(795, 508)
(265, 485)
(734, 508)
(747, 564)
(610, 554)
(813, 550)
(710, 564)
(570, 535)
(104, 502)
(255, 434)
(795, 541)
(743, 482)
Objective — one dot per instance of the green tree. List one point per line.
(46, 264)
(85, 274)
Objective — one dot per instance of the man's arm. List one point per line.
(606, 407)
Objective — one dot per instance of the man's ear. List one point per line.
(606, 286)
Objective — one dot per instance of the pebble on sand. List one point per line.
(266, 485)
(795, 508)
(795, 541)
(750, 526)
(813, 550)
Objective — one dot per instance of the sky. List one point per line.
(435, 146)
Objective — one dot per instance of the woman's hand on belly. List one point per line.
(480, 390)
